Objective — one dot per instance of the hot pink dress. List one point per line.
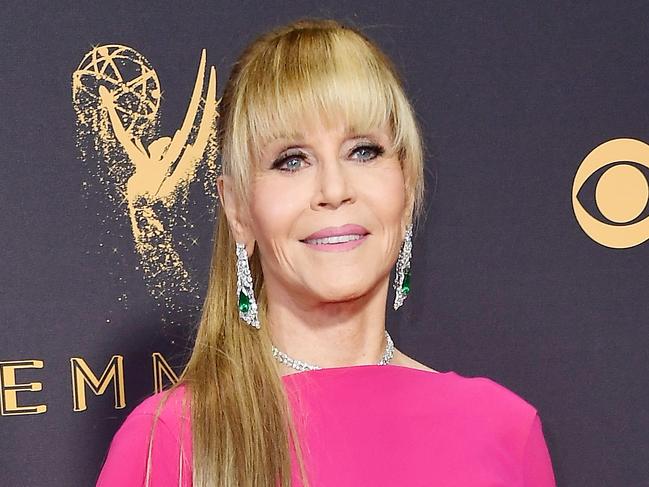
(369, 425)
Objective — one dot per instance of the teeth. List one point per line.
(336, 239)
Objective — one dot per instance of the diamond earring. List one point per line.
(247, 303)
(402, 276)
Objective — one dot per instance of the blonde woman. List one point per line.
(294, 379)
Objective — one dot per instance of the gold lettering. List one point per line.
(82, 375)
(9, 389)
(161, 369)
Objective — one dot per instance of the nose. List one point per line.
(334, 187)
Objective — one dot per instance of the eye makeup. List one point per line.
(286, 157)
(378, 149)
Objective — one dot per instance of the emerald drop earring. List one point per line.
(402, 275)
(245, 292)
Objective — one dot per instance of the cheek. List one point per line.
(386, 194)
(276, 205)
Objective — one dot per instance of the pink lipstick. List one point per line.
(337, 239)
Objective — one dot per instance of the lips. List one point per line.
(348, 229)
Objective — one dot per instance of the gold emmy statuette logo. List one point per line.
(621, 194)
(146, 177)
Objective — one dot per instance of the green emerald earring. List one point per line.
(245, 292)
(402, 274)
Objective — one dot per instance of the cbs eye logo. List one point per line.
(618, 168)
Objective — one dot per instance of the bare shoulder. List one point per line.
(404, 360)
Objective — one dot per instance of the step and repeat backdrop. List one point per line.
(531, 266)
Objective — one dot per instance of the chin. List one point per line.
(339, 294)
(340, 282)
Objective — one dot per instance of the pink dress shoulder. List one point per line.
(366, 425)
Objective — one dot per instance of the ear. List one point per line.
(238, 219)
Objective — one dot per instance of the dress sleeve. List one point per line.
(126, 462)
(537, 465)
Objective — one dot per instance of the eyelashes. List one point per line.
(375, 149)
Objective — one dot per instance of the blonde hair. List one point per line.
(241, 427)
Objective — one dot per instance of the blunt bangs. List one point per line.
(305, 78)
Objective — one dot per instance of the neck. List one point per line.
(329, 334)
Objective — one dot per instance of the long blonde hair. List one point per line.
(241, 427)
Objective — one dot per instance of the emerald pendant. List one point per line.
(405, 287)
(244, 302)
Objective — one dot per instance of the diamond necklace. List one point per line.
(282, 358)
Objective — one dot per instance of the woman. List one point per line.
(322, 181)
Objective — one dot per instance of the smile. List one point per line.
(333, 239)
(338, 243)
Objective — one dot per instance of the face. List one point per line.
(326, 177)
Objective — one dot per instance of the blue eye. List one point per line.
(370, 150)
(293, 159)
(287, 159)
